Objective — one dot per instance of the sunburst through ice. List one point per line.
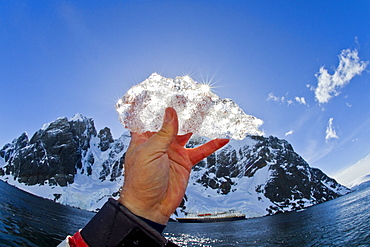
(200, 111)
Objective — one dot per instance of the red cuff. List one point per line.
(77, 240)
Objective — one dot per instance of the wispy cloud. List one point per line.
(329, 85)
(282, 99)
(285, 100)
(301, 100)
(314, 151)
(272, 97)
(289, 132)
(330, 131)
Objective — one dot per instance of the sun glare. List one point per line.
(205, 88)
(210, 83)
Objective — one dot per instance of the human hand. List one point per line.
(157, 169)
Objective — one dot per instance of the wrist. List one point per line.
(115, 225)
(143, 210)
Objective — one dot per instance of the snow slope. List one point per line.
(356, 171)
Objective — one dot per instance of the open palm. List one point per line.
(157, 169)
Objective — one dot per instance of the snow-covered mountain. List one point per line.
(69, 162)
(353, 174)
(361, 182)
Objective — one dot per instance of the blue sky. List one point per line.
(300, 66)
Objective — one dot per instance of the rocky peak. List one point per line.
(17, 143)
(82, 129)
(106, 139)
(53, 154)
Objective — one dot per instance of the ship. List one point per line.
(230, 215)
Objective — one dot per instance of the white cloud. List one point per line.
(289, 132)
(329, 85)
(301, 100)
(330, 131)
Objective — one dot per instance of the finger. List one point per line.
(136, 140)
(201, 152)
(164, 137)
(183, 139)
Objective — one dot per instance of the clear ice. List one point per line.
(200, 111)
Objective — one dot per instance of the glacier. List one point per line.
(200, 111)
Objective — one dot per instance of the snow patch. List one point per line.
(78, 117)
(84, 193)
(245, 198)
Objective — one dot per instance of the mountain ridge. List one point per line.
(70, 162)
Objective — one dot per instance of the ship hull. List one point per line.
(209, 219)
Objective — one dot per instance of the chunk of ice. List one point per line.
(199, 110)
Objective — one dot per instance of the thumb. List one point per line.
(164, 137)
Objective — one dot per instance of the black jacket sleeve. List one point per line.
(115, 225)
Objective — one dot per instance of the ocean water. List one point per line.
(27, 220)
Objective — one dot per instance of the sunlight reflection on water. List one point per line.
(191, 240)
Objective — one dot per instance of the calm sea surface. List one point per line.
(26, 220)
